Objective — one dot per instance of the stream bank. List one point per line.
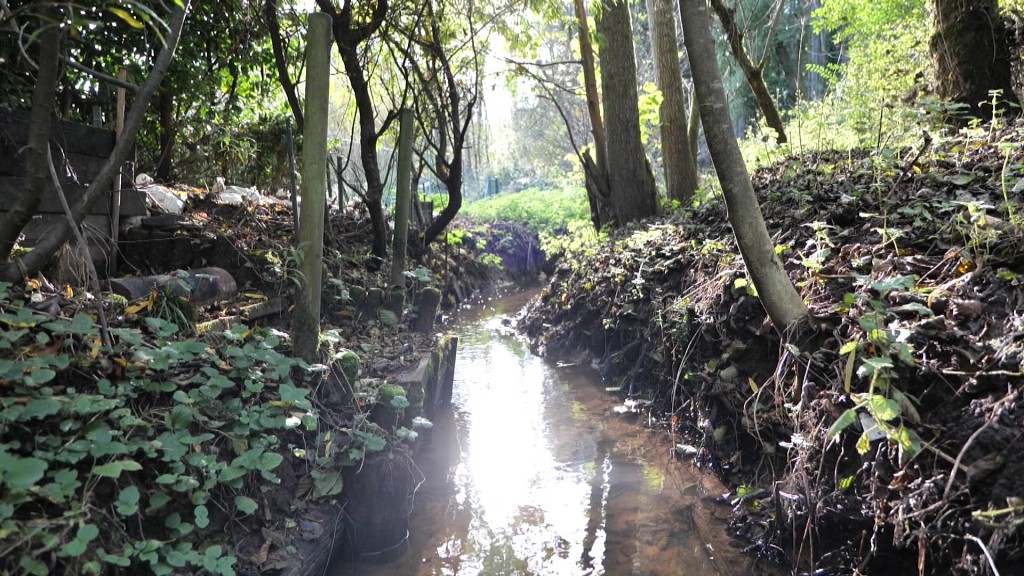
(886, 443)
(181, 436)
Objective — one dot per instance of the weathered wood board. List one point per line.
(79, 152)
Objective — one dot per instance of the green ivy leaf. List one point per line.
(872, 365)
(245, 504)
(82, 323)
(32, 566)
(291, 394)
(883, 408)
(181, 417)
(845, 419)
(40, 408)
(87, 532)
(157, 501)
(21, 473)
(202, 516)
(374, 443)
(114, 469)
(128, 501)
(328, 482)
(74, 548)
(270, 460)
(387, 317)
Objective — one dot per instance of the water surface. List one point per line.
(534, 472)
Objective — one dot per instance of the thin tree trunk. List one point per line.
(348, 35)
(680, 176)
(101, 185)
(693, 129)
(166, 105)
(753, 72)
(453, 173)
(38, 137)
(630, 181)
(281, 62)
(780, 298)
(596, 169)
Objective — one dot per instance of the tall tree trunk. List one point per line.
(595, 168)
(43, 98)
(630, 181)
(814, 83)
(166, 108)
(680, 175)
(778, 295)
(971, 55)
(752, 71)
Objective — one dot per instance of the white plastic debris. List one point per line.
(159, 197)
(233, 195)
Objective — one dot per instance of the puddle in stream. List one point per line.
(533, 472)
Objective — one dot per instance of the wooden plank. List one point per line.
(84, 167)
(71, 137)
(11, 187)
(47, 224)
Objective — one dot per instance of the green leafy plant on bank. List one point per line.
(119, 458)
(560, 216)
(883, 411)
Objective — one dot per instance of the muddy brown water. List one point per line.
(537, 471)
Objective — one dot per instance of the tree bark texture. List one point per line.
(596, 168)
(778, 295)
(971, 55)
(680, 172)
(43, 93)
(752, 71)
(101, 185)
(630, 181)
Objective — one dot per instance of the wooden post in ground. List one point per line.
(115, 200)
(403, 196)
(306, 321)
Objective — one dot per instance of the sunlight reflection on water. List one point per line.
(528, 503)
(533, 473)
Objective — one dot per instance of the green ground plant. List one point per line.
(883, 411)
(127, 457)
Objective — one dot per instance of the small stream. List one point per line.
(534, 472)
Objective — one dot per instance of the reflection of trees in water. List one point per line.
(614, 508)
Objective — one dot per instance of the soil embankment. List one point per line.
(885, 441)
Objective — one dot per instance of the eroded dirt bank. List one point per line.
(888, 440)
